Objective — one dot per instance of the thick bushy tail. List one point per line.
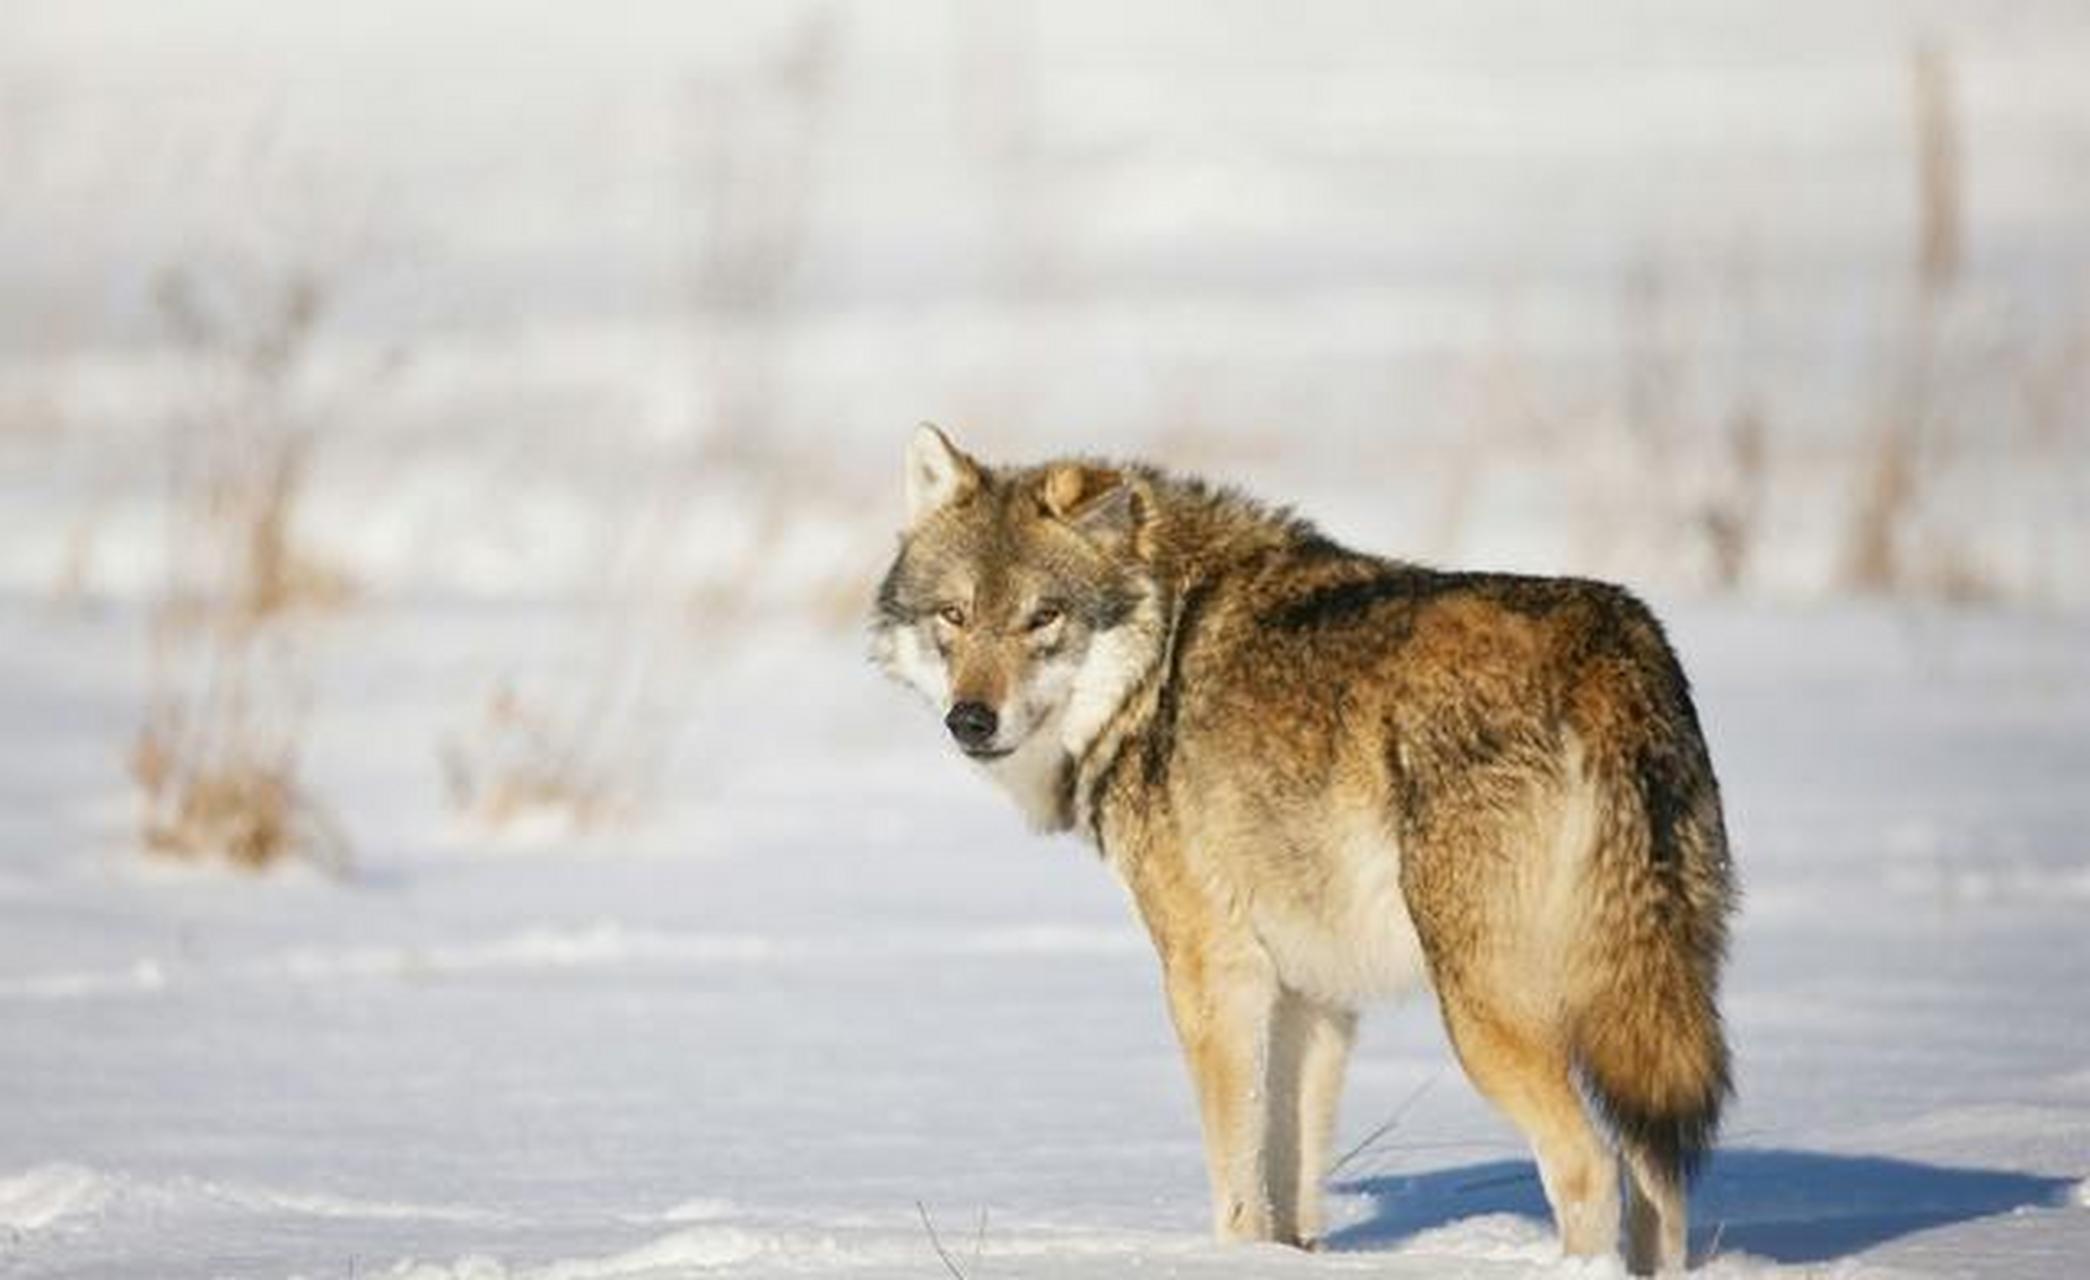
(1648, 1039)
(1653, 1057)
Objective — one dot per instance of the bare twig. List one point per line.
(1393, 1121)
(1911, 432)
(936, 1242)
(1940, 248)
(1712, 1246)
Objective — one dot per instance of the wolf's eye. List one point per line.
(1043, 618)
(952, 614)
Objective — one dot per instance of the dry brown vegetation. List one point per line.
(243, 445)
(580, 744)
(216, 757)
(1676, 470)
(581, 749)
(523, 762)
(1879, 552)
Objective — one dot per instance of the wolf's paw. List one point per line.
(1245, 1222)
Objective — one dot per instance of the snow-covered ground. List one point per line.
(830, 979)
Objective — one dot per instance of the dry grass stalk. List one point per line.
(217, 779)
(523, 766)
(1940, 245)
(1873, 560)
(216, 758)
(1731, 521)
(1891, 480)
(581, 751)
(243, 449)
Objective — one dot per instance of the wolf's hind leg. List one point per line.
(1656, 1216)
(1309, 1049)
(1223, 1000)
(1525, 1072)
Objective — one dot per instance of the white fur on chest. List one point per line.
(1035, 776)
(1353, 940)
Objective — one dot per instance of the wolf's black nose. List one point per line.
(971, 723)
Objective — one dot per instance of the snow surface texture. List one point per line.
(831, 978)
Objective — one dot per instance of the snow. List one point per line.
(829, 978)
(47, 1193)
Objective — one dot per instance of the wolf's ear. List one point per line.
(938, 474)
(1096, 501)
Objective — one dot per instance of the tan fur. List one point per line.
(1327, 777)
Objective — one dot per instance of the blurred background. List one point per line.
(1786, 300)
(625, 311)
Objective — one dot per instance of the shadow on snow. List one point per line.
(1787, 1206)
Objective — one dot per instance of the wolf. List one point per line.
(1326, 776)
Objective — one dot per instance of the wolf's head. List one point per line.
(1020, 603)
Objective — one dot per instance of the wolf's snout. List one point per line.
(972, 724)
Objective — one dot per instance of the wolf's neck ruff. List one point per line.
(1113, 699)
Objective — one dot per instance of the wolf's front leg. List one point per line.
(1309, 1048)
(1222, 997)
